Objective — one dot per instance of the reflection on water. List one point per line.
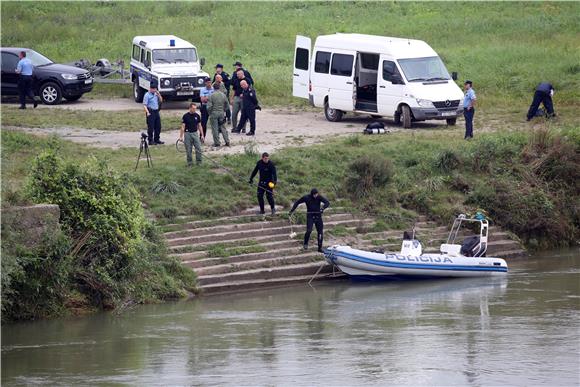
(522, 329)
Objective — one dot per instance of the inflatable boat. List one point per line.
(454, 260)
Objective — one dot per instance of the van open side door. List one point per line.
(301, 76)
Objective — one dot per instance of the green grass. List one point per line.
(506, 48)
(123, 121)
(221, 251)
(248, 243)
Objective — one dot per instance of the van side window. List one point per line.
(322, 64)
(301, 62)
(142, 59)
(136, 52)
(390, 69)
(342, 65)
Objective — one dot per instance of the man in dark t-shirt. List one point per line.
(192, 134)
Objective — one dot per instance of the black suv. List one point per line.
(51, 81)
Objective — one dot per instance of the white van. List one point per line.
(171, 62)
(390, 77)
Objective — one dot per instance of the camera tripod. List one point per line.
(144, 148)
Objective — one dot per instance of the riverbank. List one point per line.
(526, 181)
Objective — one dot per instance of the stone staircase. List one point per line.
(246, 251)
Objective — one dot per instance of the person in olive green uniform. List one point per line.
(220, 81)
(191, 133)
(217, 105)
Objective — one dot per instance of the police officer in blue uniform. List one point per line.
(25, 68)
(249, 106)
(543, 95)
(151, 103)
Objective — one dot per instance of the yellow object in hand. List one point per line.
(271, 185)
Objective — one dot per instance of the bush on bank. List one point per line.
(108, 254)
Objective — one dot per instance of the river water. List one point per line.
(523, 329)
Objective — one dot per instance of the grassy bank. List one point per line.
(526, 181)
(505, 48)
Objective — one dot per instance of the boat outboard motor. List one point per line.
(411, 247)
(470, 246)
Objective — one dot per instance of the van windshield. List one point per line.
(175, 55)
(424, 69)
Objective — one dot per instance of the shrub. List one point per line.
(446, 161)
(368, 173)
(166, 186)
(169, 213)
(35, 282)
(117, 254)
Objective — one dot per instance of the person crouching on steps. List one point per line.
(192, 134)
(313, 216)
(267, 182)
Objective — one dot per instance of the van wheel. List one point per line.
(451, 121)
(406, 113)
(138, 91)
(332, 115)
(397, 118)
(50, 93)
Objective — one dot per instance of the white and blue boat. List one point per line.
(454, 260)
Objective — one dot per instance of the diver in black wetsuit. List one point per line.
(268, 180)
(314, 215)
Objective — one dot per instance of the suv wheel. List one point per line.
(50, 93)
(332, 115)
(138, 91)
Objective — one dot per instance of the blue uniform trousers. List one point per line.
(153, 125)
(468, 114)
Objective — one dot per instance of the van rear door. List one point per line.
(301, 78)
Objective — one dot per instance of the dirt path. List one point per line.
(276, 128)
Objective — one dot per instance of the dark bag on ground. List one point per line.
(375, 128)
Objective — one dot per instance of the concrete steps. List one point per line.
(263, 263)
(259, 225)
(257, 252)
(235, 234)
(293, 270)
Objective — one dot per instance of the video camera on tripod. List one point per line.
(144, 148)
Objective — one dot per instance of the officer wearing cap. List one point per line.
(216, 107)
(151, 103)
(219, 70)
(239, 74)
(204, 94)
(238, 66)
